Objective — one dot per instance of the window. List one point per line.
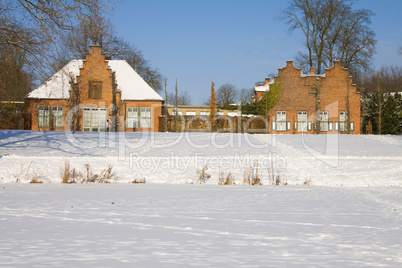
(191, 113)
(342, 120)
(204, 113)
(178, 112)
(302, 121)
(132, 118)
(46, 112)
(95, 90)
(94, 119)
(43, 116)
(281, 124)
(233, 114)
(324, 126)
(220, 113)
(138, 117)
(145, 118)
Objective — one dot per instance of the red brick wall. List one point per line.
(156, 111)
(296, 96)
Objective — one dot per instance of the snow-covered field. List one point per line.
(349, 216)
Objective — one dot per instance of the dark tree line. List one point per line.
(382, 100)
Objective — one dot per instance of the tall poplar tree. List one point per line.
(212, 108)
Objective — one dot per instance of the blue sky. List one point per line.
(231, 41)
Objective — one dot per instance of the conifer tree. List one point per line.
(166, 110)
(212, 108)
(176, 109)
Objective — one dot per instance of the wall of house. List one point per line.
(298, 94)
(156, 111)
(33, 110)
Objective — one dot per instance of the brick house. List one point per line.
(80, 96)
(260, 89)
(310, 103)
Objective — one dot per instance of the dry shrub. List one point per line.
(226, 180)
(139, 180)
(203, 176)
(274, 175)
(307, 182)
(65, 174)
(251, 176)
(36, 178)
(75, 176)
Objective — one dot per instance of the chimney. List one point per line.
(312, 70)
(289, 63)
(267, 80)
(95, 50)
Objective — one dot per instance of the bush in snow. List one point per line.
(251, 176)
(274, 175)
(307, 182)
(203, 176)
(74, 176)
(226, 180)
(138, 180)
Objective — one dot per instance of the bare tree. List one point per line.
(226, 94)
(183, 98)
(100, 31)
(333, 31)
(32, 25)
(245, 95)
(15, 82)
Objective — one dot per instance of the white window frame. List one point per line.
(302, 121)
(281, 123)
(145, 118)
(204, 113)
(44, 113)
(132, 117)
(342, 121)
(324, 123)
(139, 117)
(94, 119)
(191, 113)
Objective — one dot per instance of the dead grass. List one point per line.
(75, 176)
(203, 176)
(251, 175)
(274, 176)
(307, 182)
(36, 178)
(226, 180)
(139, 180)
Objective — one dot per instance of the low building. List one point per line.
(192, 110)
(84, 94)
(311, 103)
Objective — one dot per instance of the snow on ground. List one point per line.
(350, 215)
(155, 225)
(174, 158)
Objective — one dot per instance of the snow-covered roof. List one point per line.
(131, 84)
(263, 88)
(58, 86)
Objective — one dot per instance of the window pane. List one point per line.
(281, 116)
